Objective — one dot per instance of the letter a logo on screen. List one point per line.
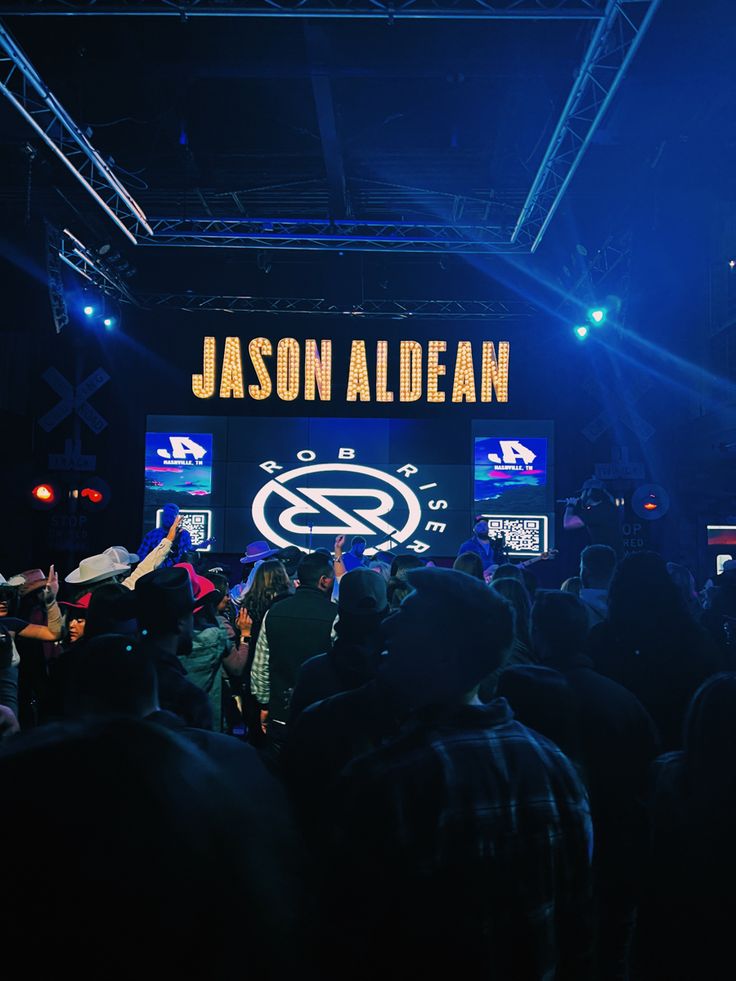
(181, 447)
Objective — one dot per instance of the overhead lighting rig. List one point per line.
(25, 89)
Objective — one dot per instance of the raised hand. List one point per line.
(243, 622)
(339, 544)
(173, 530)
(51, 589)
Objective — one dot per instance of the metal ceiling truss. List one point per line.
(303, 234)
(57, 296)
(93, 268)
(615, 253)
(614, 256)
(96, 271)
(332, 9)
(615, 40)
(617, 35)
(372, 309)
(614, 44)
(24, 88)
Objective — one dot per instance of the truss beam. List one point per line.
(322, 234)
(91, 267)
(333, 9)
(615, 42)
(25, 89)
(368, 309)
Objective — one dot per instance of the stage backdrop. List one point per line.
(404, 485)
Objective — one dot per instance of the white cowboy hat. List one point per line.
(120, 553)
(95, 569)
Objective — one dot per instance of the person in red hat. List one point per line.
(211, 643)
(76, 617)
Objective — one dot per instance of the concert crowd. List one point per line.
(368, 767)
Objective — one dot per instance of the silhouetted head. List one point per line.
(597, 565)
(508, 571)
(165, 602)
(447, 635)
(470, 564)
(642, 599)
(113, 676)
(142, 826)
(516, 594)
(559, 625)
(403, 563)
(710, 733)
(316, 570)
(169, 515)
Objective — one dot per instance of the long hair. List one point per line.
(470, 563)
(516, 593)
(645, 607)
(685, 582)
(271, 580)
(709, 737)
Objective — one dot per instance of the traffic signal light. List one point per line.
(93, 494)
(44, 495)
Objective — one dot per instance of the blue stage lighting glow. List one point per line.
(108, 322)
(597, 315)
(88, 311)
(581, 331)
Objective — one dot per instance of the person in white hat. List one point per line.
(116, 560)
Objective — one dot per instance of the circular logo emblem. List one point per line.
(329, 499)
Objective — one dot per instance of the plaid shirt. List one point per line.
(471, 834)
(182, 544)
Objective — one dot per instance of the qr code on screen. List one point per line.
(525, 535)
(197, 523)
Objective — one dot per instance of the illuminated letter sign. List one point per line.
(420, 366)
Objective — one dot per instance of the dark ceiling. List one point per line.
(442, 121)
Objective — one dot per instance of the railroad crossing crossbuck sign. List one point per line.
(74, 400)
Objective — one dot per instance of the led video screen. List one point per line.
(178, 466)
(511, 473)
(304, 481)
(721, 535)
(513, 482)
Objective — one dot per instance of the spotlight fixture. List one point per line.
(582, 331)
(732, 263)
(89, 310)
(109, 322)
(597, 316)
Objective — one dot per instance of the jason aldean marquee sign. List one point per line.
(431, 371)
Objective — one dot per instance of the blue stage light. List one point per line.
(581, 332)
(109, 322)
(89, 310)
(597, 315)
